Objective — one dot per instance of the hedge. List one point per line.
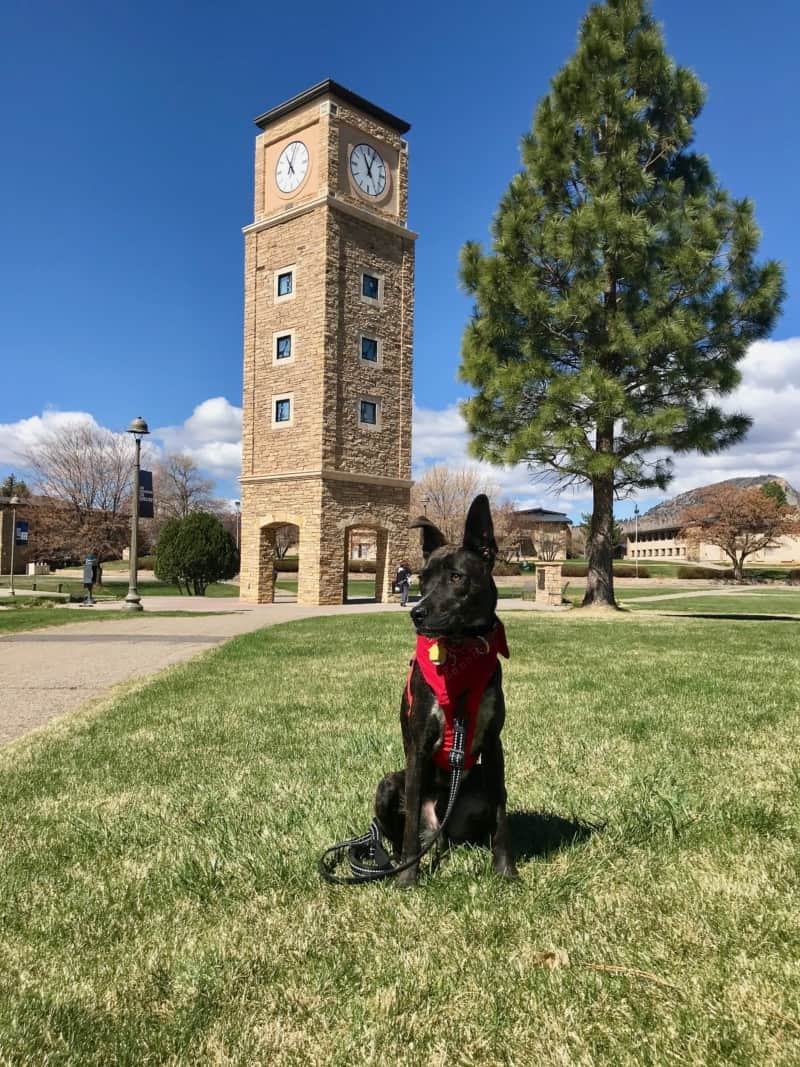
(704, 572)
(794, 576)
(621, 570)
(290, 565)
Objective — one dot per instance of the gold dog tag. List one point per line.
(437, 653)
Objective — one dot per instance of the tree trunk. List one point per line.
(600, 577)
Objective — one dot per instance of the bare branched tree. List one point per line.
(286, 537)
(445, 493)
(548, 546)
(85, 466)
(179, 488)
(508, 530)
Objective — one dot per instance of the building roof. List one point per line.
(333, 88)
(543, 515)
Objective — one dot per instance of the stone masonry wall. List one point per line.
(298, 473)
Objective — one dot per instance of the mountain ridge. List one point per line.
(667, 513)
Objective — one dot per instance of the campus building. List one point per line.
(544, 534)
(658, 533)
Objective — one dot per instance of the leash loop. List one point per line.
(368, 859)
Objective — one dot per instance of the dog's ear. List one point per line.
(479, 530)
(431, 537)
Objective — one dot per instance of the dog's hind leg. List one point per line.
(390, 798)
(494, 772)
(414, 770)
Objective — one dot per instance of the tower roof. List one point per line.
(324, 88)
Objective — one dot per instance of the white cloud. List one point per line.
(769, 393)
(212, 436)
(16, 438)
(440, 436)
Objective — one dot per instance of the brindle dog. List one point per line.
(458, 603)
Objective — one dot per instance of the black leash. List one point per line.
(368, 859)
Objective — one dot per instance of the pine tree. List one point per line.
(622, 288)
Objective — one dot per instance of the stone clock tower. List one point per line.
(328, 319)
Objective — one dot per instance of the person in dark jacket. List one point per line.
(401, 580)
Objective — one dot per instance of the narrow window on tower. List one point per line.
(284, 283)
(370, 350)
(283, 346)
(283, 410)
(369, 413)
(371, 288)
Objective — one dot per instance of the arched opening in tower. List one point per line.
(361, 550)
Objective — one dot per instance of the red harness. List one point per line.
(466, 670)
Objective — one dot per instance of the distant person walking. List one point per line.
(401, 580)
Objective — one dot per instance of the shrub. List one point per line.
(147, 563)
(195, 551)
(621, 570)
(793, 577)
(628, 570)
(505, 570)
(290, 565)
(704, 572)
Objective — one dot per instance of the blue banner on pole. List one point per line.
(21, 533)
(145, 494)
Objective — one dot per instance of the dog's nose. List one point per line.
(418, 613)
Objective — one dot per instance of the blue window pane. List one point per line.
(369, 412)
(283, 410)
(285, 284)
(369, 286)
(284, 347)
(369, 349)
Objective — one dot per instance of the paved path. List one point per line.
(50, 671)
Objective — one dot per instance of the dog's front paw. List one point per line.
(505, 868)
(406, 879)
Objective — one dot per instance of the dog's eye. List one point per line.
(455, 576)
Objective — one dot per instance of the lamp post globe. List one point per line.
(139, 429)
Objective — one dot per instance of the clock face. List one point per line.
(292, 167)
(368, 169)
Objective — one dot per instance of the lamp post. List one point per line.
(139, 429)
(13, 502)
(425, 501)
(238, 505)
(636, 550)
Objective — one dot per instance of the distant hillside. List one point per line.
(668, 513)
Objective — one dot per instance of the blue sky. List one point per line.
(127, 143)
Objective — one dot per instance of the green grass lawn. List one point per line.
(356, 587)
(114, 588)
(759, 603)
(159, 902)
